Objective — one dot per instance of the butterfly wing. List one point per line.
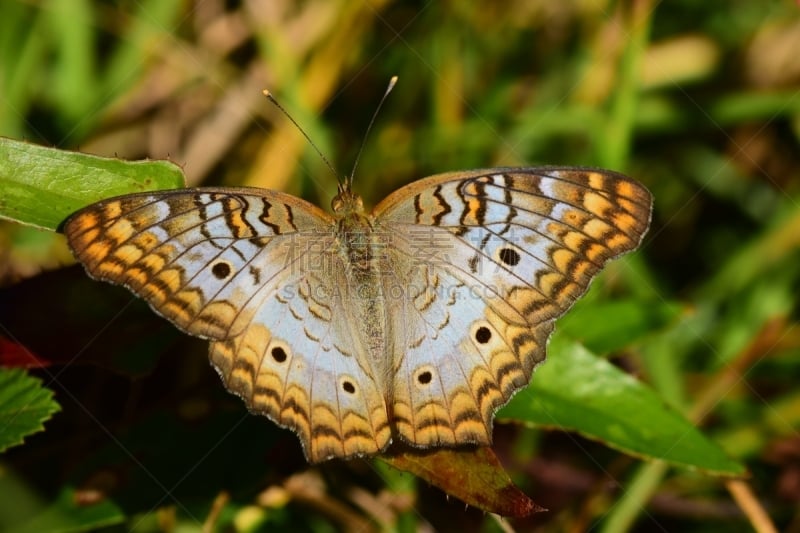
(490, 258)
(192, 255)
(255, 272)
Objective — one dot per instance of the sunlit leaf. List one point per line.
(42, 186)
(577, 391)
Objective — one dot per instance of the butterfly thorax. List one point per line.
(359, 245)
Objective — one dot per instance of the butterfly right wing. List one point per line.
(490, 258)
(253, 271)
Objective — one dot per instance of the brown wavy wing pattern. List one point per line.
(508, 251)
(457, 359)
(194, 254)
(298, 362)
(334, 406)
(543, 232)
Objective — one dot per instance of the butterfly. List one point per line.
(415, 321)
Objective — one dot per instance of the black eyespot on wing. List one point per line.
(509, 256)
(425, 377)
(279, 354)
(483, 335)
(348, 387)
(221, 270)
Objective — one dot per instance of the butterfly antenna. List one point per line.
(314, 146)
(392, 83)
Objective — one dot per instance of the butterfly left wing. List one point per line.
(251, 270)
(491, 258)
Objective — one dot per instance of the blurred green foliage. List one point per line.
(699, 101)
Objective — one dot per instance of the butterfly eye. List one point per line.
(509, 256)
(221, 269)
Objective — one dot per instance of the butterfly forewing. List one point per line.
(193, 255)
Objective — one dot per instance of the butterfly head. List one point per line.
(346, 201)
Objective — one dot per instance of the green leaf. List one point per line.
(578, 391)
(24, 406)
(624, 321)
(42, 186)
